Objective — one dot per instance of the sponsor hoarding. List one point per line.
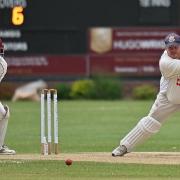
(127, 52)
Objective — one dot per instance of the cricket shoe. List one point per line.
(4, 150)
(119, 151)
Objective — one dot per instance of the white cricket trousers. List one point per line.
(3, 121)
(162, 108)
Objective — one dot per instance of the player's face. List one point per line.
(174, 52)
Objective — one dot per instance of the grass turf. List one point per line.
(87, 126)
(45, 170)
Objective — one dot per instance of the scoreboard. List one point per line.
(60, 26)
(59, 14)
(36, 27)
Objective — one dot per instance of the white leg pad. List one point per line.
(3, 129)
(3, 125)
(2, 111)
(146, 127)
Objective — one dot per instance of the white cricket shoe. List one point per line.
(119, 151)
(4, 150)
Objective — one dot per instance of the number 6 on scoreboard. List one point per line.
(17, 15)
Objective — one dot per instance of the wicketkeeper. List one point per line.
(166, 103)
(4, 110)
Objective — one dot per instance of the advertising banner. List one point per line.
(131, 52)
(129, 40)
(46, 66)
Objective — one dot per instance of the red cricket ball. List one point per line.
(68, 162)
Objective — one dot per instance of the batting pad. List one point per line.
(2, 111)
(3, 126)
(142, 131)
(3, 129)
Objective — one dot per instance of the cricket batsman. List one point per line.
(4, 110)
(166, 103)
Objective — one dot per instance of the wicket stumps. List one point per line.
(48, 95)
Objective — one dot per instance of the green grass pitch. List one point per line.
(87, 126)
